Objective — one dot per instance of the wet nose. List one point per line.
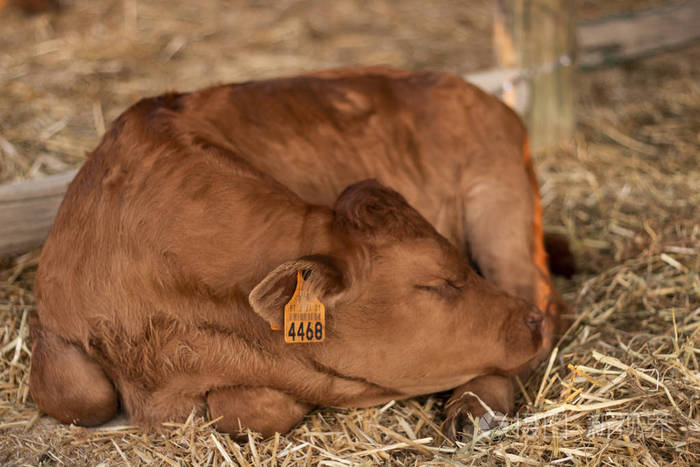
(534, 319)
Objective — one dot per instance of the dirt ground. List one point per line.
(623, 387)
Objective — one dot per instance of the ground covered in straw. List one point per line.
(623, 387)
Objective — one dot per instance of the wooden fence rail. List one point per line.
(27, 210)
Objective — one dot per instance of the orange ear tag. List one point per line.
(304, 315)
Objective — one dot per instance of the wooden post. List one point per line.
(539, 38)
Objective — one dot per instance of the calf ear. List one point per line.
(372, 209)
(323, 276)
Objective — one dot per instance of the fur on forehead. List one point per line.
(374, 210)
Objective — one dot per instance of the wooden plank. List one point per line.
(630, 36)
(27, 210)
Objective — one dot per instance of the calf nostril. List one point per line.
(534, 319)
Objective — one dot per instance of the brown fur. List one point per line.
(178, 242)
(74, 388)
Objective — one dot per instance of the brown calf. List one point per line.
(179, 242)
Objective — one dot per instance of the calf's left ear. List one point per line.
(322, 276)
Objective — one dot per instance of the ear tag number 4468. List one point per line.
(304, 314)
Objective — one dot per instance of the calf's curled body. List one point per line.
(179, 240)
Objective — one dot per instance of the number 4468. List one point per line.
(305, 331)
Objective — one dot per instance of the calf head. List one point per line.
(404, 310)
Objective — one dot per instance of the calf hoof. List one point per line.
(487, 398)
(67, 385)
(461, 422)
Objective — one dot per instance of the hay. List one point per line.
(622, 387)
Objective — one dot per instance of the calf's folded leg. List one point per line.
(495, 391)
(66, 384)
(503, 231)
(263, 410)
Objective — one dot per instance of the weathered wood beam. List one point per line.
(27, 210)
(619, 38)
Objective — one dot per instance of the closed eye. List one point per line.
(442, 287)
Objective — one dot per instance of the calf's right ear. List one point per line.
(322, 276)
(372, 209)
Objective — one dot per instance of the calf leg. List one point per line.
(66, 384)
(504, 237)
(503, 231)
(261, 409)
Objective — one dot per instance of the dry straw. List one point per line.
(623, 387)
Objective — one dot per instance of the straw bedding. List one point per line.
(621, 388)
